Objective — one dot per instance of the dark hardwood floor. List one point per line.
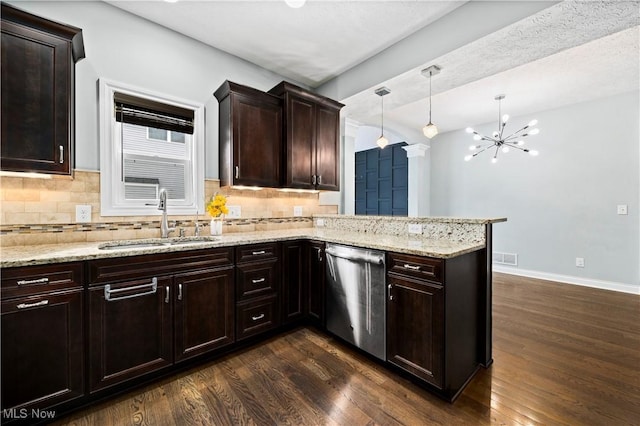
(563, 355)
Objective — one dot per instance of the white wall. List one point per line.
(122, 47)
(561, 204)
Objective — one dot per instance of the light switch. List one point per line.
(622, 209)
(234, 212)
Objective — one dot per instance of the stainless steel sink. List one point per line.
(155, 242)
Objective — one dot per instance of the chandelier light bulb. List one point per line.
(468, 130)
(468, 157)
(534, 131)
(382, 141)
(477, 137)
(520, 143)
(533, 153)
(430, 130)
(473, 147)
(505, 118)
(505, 149)
(495, 134)
(494, 160)
(532, 123)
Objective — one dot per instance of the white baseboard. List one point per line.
(568, 279)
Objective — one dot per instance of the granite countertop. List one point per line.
(57, 253)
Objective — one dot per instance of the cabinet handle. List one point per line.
(255, 253)
(319, 253)
(319, 179)
(237, 172)
(109, 294)
(43, 280)
(260, 280)
(389, 291)
(166, 298)
(313, 179)
(32, 305)
(61, 154)
(179, 291)
(413, 268)
(259, 317)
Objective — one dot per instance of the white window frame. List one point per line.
(112, 200)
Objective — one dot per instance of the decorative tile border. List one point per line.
(136, 225)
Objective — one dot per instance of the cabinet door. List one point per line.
(257, 141)
(35, 104)
(327, 148)
(204, 318)
(300, 150)
(292, 281)
(415, 321)
(42, 350)
(315, 279)
(130, 330)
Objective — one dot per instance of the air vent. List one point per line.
(510, 259)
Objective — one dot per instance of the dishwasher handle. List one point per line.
(357, 255)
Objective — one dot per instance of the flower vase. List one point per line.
(216, 226)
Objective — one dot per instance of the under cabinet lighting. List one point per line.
(247, 188)
(299, 191)
(25, 175)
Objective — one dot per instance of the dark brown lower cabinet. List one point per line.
(42, 351)
(293, 279)
(415, 327)
(315, 275)
(204, 304)
(130, 330)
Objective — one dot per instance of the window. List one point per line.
(148, 142)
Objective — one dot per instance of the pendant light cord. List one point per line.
(430, 75)
(382, 117)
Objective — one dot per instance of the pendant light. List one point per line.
(499, 141)
(430, 130)
(382, 141)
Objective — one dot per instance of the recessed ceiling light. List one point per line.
(171, 1)
(296, 4)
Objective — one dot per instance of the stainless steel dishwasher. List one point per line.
(355, 297)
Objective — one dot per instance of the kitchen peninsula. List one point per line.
(200, 298)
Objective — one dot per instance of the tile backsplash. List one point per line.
(42, 211)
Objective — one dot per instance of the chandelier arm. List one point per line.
(517, 147)
(483, 150)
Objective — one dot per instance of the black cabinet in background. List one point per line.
(38, 87)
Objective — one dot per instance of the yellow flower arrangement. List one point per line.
(217, 205)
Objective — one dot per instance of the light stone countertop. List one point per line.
(58, 253)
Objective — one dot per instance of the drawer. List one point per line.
(256, 279)
(424, 268)
(28, 280)
(111, 270)
(256, 316)
(256, 252)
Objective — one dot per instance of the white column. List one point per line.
(348, 184)
(419, 184)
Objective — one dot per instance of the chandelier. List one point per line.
(498, 140)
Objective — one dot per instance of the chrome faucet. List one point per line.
(197, 228)
(162, 206)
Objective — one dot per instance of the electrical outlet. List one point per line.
(83, 213)
(580, 262)
(414, 228)
(297, 210)
(622, 209)
(320, 223)
(234, 212)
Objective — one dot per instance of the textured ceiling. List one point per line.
(311, 44)
(571, 52)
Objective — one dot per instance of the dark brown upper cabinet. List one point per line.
(250, 136)
(38, 86)
(312, 139)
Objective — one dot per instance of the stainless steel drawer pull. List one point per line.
(61, 154)
(413, 268)
(237, 172)
(259, 280)
(313, 180)
(255, 253)
(166, 297)
(319, 179)
(259, 317)
(36, 281)
(112, 295)
(179, 291)
(33, 305)
(390, 295)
